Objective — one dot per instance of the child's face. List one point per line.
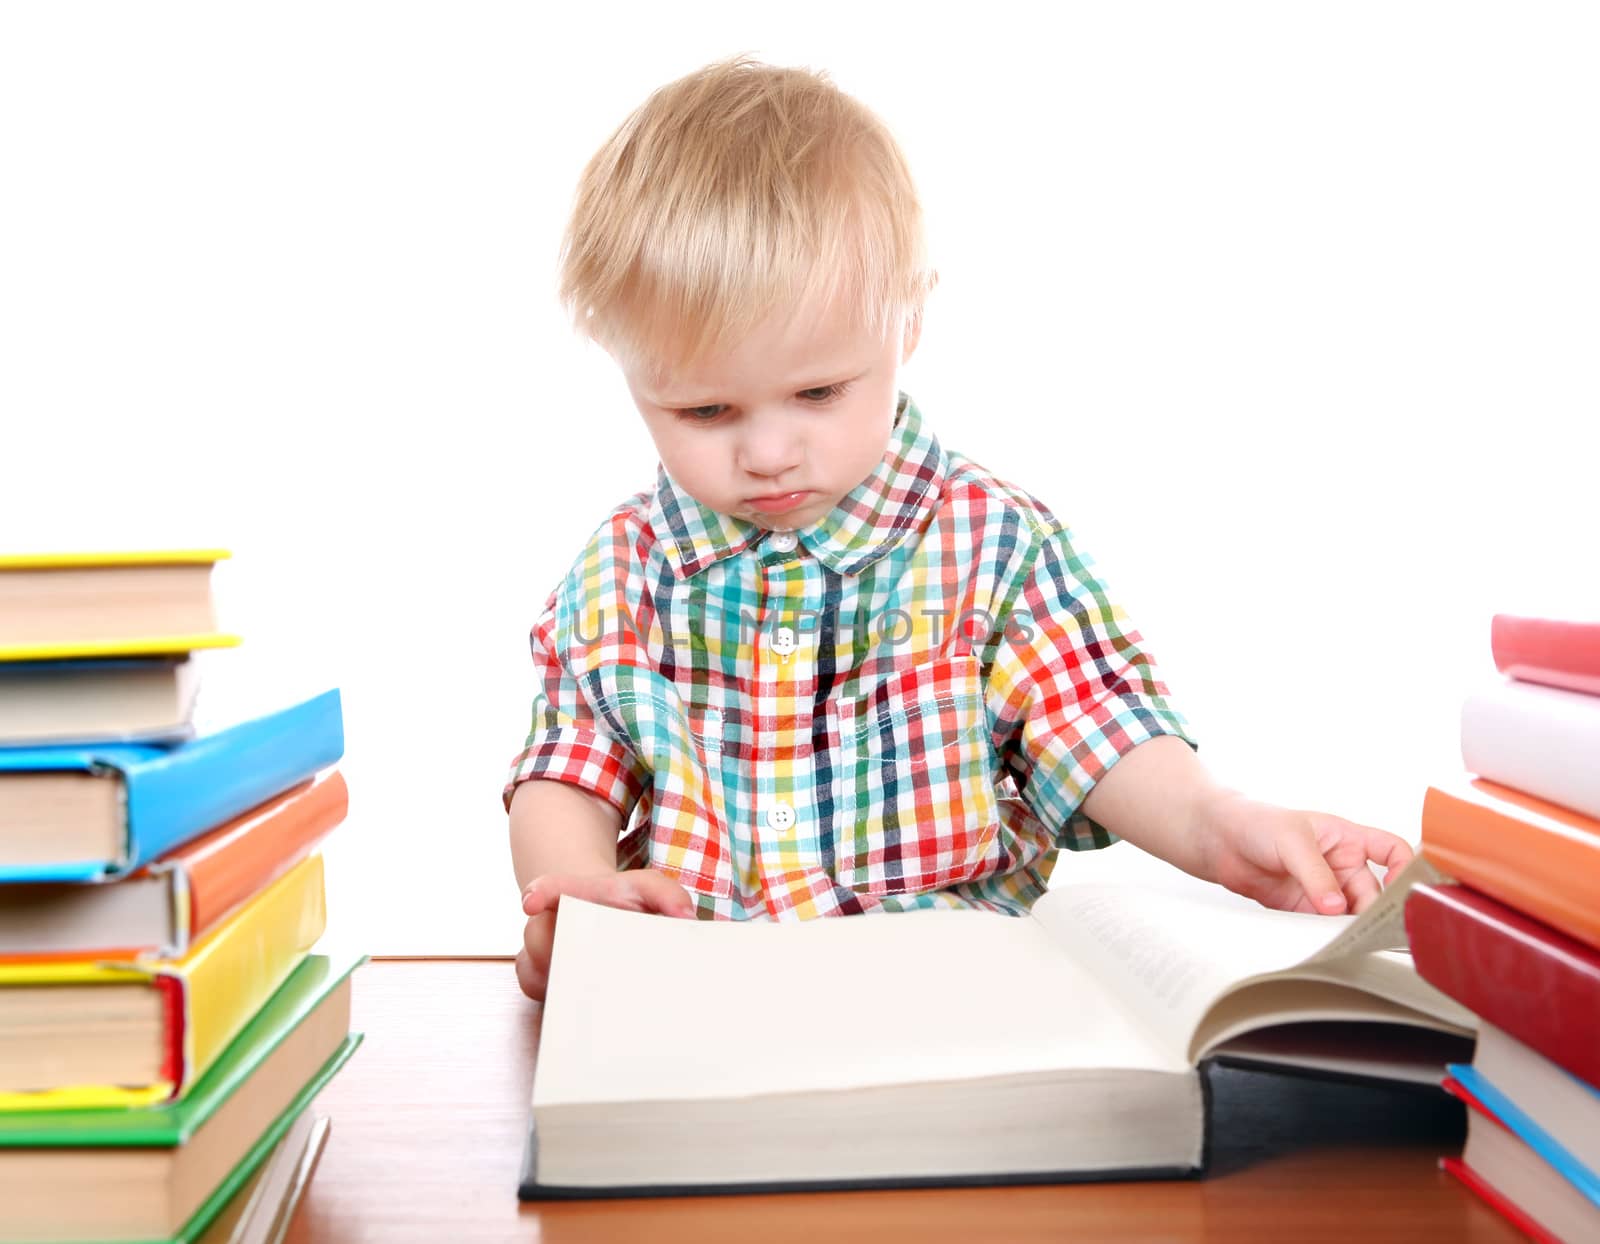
(780, 429)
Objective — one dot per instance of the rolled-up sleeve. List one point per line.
(568, 741)
(1071, 691)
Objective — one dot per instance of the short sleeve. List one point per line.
(1071, 691)
(567, 740)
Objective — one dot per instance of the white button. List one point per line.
(783, 541)
(780, 816)
(782, 641)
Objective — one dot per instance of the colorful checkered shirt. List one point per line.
(902, 705)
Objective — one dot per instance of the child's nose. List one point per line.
(772, 452)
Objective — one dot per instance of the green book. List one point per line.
(159, 1175)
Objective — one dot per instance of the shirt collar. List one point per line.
(898, 497)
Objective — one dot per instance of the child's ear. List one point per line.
(913, 335)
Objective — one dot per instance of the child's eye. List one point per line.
(819, 396)
(825, 393)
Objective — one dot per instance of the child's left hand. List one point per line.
(1298, 861)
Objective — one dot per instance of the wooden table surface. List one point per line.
(428, 1121)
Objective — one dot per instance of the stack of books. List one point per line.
(1513, 929)
(163, 1024)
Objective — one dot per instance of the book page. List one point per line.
(1171, 955)
(650, 1008)
(1383, 925)
(1175, 954)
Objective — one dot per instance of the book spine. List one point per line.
(1535, 739)
(1534, 983)
(231, 865)
(1500, 848)
(175, 796)
(1547, 650)
(232, 973)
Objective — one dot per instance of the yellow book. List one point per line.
(67, 606)
(81, 1034)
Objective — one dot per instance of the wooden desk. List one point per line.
(429, 1117)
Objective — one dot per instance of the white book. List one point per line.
(1543, 741)
(948, 1047)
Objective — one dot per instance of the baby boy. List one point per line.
(827, 665)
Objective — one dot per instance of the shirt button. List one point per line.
(783, 541)
(780, 816)
(782, 640)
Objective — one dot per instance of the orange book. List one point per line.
(1540, 858)
(163, 909)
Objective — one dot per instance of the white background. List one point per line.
(1290, 311)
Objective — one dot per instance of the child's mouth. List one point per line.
(779, 502)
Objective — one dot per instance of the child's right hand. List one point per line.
(637, 889)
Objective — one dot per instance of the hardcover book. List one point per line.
(948, 1047)
(161, 1175)
(91, 813)
(70, 605)
(1540, 740)
(82, 1033)
(65, 702)
(1540, 986)
(1538, 857)
(1511, 1177)
(163, 909)
(1555, 651)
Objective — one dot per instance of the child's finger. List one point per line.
(1361, 889)
(659, 893)
(541, 896)
(1304, 861)
(1388, 851)
(637, 890)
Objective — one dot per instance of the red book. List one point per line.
(1548, 650)
(1539, 985)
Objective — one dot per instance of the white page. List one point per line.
(817, 1005)
(1171, 955)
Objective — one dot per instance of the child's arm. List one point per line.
(1161, 798)
(564, 841)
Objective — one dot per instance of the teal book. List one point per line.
(160, 1175)
(96, 813)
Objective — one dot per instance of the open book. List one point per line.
(949, 1047)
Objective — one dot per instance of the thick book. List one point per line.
(1514, 1180)
(1535, 856)
(166, 907)
(1522, 976)
(1558, 652)
(259, 1213)
(1540, 740)
(81, 1033)
(65, 702)
(91, 813)
(67, 605)
(163, 1174)
(1501, 1158)
(933, 1048)
(1554, 1112)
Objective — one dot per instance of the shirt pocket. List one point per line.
(686, 830)
(914, 803)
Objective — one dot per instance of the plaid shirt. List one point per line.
(902, 705)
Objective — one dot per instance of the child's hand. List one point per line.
(1300, 861)
(637, 889)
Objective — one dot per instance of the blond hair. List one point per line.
(741, 191)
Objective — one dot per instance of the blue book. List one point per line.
(95, 813)
(1525, 1128)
